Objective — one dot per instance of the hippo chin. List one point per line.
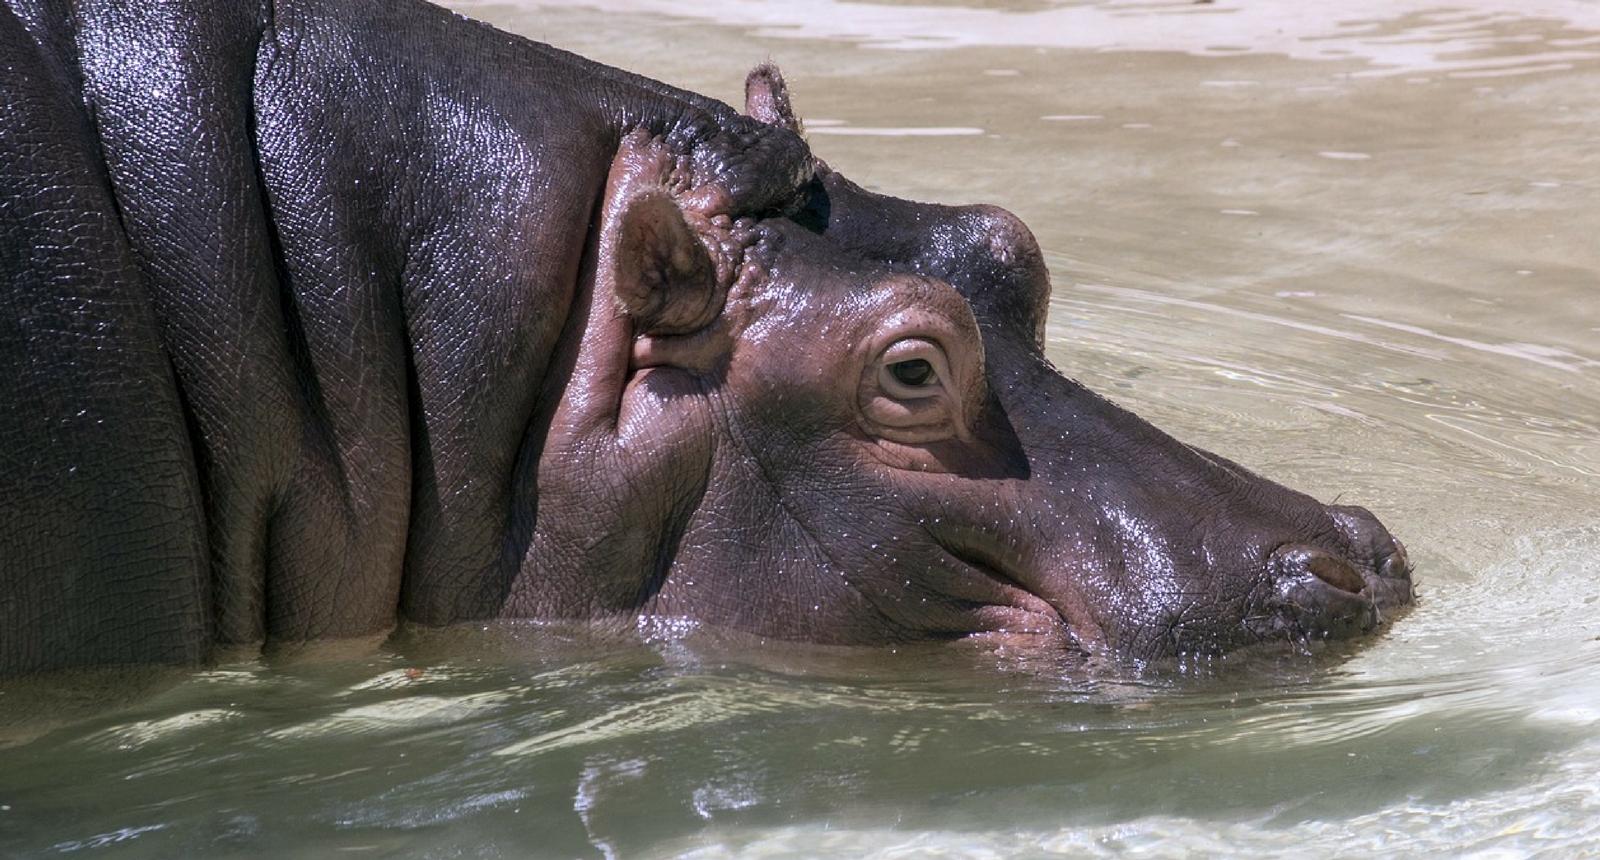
(327, 314)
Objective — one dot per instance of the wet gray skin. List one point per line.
(331, 331)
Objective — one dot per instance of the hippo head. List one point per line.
(839, 426)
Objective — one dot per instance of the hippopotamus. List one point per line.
(322, 316)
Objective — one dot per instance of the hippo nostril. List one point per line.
(1320, 595)
(1329, 568)
(1336, 572)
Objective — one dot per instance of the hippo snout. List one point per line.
(1371, 543)
(1320, 594)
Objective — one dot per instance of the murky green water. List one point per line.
(1353, 245)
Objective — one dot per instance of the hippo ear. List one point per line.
(662, 276)
(766, 98)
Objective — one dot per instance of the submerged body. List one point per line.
(318, 326)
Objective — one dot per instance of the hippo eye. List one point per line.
(912, 369)
(915, 372)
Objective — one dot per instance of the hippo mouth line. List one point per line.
(1316, 595)
(1020, 596)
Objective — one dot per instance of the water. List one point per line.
(1352, 245)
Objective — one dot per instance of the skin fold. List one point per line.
(325, 314)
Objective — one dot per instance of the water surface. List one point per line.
(1352, 245)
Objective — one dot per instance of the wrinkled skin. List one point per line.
(326, 314)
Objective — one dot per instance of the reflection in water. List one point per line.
(1348, 244)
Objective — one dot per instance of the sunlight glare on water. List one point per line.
(1350, 245)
